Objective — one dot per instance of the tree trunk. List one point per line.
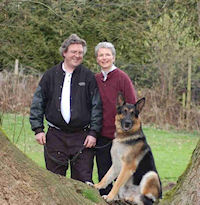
(188, 104)
(187, 190)
(24, 182)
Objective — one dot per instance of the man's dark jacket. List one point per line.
(86, 107)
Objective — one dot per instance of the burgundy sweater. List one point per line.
(117, 81)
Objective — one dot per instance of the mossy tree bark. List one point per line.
(187, 190)
(23, 182)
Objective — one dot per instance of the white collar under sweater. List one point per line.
(105, 73)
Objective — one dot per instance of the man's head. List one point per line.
(72, 39)
(73, 50)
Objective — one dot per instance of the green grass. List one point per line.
(172, 150)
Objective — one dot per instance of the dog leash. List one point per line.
(103, 146)
(64, 163)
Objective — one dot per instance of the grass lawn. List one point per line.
(172, 150)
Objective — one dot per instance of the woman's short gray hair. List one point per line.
(72, 39)
(105, 45)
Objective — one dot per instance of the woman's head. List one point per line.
(105, 45)
(105, 55)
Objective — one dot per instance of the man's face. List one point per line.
(105, 58)
(74, 55)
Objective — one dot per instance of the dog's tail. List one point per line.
(150, 188)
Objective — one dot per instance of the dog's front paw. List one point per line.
(108, 198)
(105, 197)
(97, 186)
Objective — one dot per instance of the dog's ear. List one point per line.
(120, 100)
(139, 105)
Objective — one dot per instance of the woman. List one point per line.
(111, 80)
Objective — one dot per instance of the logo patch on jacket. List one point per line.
(81, 83)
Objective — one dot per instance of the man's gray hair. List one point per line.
(72, 39)
(105, 45)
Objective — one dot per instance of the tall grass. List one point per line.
(167, 112)
(16, 92)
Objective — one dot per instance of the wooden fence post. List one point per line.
(16, 70)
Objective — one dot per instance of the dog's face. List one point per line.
(127, 118)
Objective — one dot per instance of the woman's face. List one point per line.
(105, 58)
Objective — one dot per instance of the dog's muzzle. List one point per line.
(127, 124)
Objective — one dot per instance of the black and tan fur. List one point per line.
(133, 165)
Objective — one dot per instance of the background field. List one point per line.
(172, 150)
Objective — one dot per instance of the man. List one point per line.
(68, 97)
(110, 81)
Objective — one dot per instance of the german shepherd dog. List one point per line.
(133, 166)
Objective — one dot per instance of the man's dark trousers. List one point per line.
(63, 146)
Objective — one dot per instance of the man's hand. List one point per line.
(90, 141)
(41, 138)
